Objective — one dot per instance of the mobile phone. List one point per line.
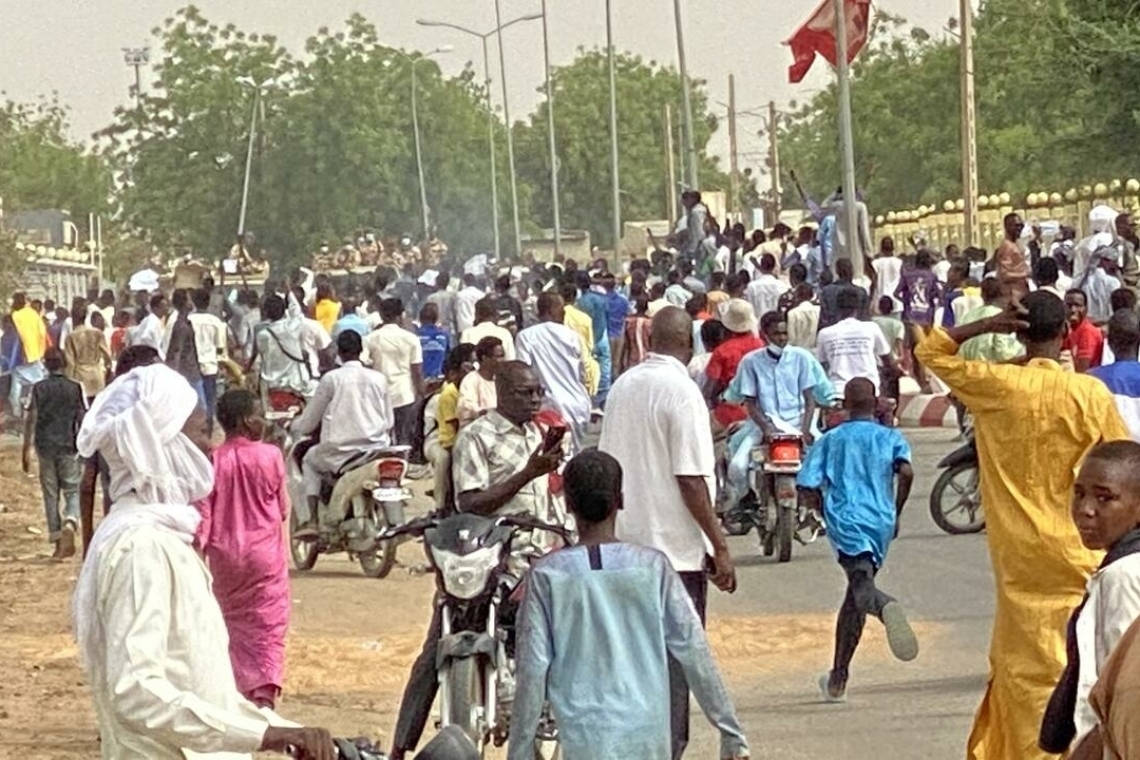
(553, 437)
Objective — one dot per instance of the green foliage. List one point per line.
(581, 116)
(40, 167)
(1047, 77)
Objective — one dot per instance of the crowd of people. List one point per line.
(496, 375)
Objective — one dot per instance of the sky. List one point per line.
(72, 47)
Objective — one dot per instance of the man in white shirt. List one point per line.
(465, 301)
(210, 340)
(657, 427)
(485, 326)
(151, 331)
(887, 270)
(764, 292)
(852, 347)
(150, 632)
(477, 394)
(398, 354)
(444, 300)
(803, 318)
(280, 358)
(352, 409)
(555, 353)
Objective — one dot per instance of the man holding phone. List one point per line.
(500, 463)
(656, 425)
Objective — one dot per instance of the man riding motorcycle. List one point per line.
(501, 462)
(351, 409)
(782, 386)
(279, 355)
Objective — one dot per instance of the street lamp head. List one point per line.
(443, 49)
(247, 81)
(136, 56)
(528, 17)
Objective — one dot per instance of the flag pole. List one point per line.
(847, 140)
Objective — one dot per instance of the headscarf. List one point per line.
(156, 473)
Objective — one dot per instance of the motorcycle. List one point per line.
(378, 503)
(476, 573)
(956, 500)
(772, 505)
(281, 408)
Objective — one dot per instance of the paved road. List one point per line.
(895, 711)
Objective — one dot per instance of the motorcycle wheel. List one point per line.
(785, 517)
(956, 496)
(378, 562)
(304, 553)
(464, 697)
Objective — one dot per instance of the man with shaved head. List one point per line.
(1123, 376)
(854, 469)
(657, 426)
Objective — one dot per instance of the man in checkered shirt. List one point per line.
(500, 467)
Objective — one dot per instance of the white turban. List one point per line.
(136, 424)
(156, 474)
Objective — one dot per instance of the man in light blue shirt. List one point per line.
(780, 386)
(609, 606)
(854, 467)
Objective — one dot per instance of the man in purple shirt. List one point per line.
(919, 293)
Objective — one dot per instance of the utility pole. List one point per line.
(850, 218)
(733, 174)
(671, 187)
(969, 125)
(510, 136)
(616, 179)
(686, 101)
(550, 131)
(774, 158)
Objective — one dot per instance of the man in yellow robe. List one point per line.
(1034, 424)
(580, 322)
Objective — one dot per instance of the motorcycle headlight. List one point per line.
(465, 576)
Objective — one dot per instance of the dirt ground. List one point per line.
(351, 641)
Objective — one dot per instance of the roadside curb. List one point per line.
(926, 410)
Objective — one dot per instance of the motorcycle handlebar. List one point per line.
(418, 526)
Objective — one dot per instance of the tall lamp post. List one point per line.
(615, 179)
(483, 37)
(510, 137)
(550, 132)
(136, 58)
(686, 101)
(416, 128)
(257, 87)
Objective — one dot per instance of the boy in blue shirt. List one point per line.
(434, 341)
(854, 467)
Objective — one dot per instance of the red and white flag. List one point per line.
(817, 36)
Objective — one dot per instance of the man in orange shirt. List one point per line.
(1084, 341)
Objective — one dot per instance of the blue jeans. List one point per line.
(208, 395)
(605, 362)
(23, 378)
(59, 477)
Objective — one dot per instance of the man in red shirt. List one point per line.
(740, 321)
(1085, 340)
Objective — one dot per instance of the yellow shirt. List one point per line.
(447, 414)
(580, 322)
(327, 312)
(33, 333)
(1034, 424)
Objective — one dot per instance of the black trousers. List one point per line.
(863, 599)
(697, 584)
(403, 429)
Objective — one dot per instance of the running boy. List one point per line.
(605, 604)
(854, 467)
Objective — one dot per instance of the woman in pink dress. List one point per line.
(242, 538)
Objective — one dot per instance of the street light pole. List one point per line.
(136, 58)
(686, 101)
(483, 37)
(510, 137)
(248, 164)
(615, 178)
(491, 143)
(550, 131)
(419, 155)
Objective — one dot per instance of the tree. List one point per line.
(1047, 118)
(581, 114)
(40, 167)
